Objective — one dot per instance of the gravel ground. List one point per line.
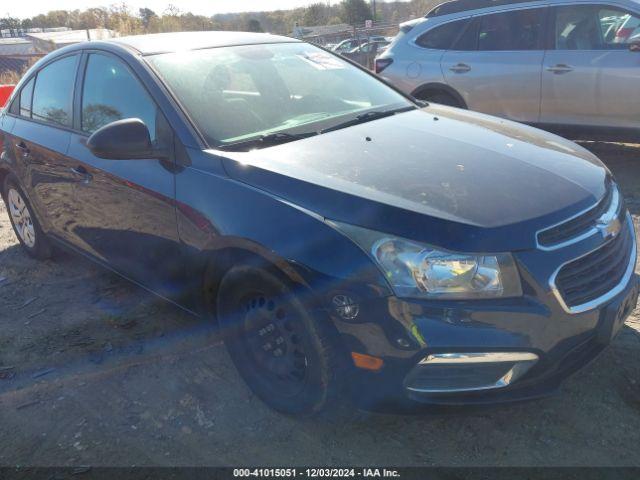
(94, 371)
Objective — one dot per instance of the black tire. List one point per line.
(442, 98)
(286, 358)
(41, 248)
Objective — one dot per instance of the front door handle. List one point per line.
(80, 171)
(460, 68)
(560, 69)
(24, 149)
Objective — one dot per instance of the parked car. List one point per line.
(348, 44)
(347, 241)
(495, 57)
(351, 44)
(366, 53)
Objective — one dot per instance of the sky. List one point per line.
(29, 8)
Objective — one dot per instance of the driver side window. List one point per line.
(619, 28)
(589, 27)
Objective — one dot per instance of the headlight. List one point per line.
(417, 270)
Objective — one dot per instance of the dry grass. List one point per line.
(12, 77)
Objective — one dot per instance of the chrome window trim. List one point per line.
(612, 211)
(595, 303)
(523, 361)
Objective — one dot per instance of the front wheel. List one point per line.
(287, 359)
(25, 224)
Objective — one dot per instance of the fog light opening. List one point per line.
(465, 372)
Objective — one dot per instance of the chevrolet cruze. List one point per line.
(349, 242)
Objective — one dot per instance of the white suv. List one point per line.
(552, 62)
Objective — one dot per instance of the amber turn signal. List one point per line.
(367, 362)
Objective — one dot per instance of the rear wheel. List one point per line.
(285, 357)
(25, 225)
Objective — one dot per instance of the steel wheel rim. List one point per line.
(21, 218)
(267, 321)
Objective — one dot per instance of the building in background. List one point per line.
(19, 51)
(46, 42)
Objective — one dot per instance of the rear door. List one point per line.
(422, 64)
(40, 141)
(496, 66)
(127, 211)
(590, 76)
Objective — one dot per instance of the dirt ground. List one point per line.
(94, 371)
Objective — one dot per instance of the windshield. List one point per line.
(238, 93)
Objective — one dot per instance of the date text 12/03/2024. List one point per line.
(316, 473)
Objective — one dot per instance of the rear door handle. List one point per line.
(80, 171)
(460, 68)
(24, 149)
(560, 69)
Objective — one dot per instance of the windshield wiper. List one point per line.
(367, 117)
(267, 140)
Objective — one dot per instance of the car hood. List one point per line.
(449, 177)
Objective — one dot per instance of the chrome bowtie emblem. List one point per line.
(609, 227)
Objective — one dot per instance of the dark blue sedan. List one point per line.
(349, 242)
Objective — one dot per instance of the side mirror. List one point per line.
(634, 46)
(126, 139)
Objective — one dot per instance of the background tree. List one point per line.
(119, 17)
(146, 14)
(355, 11)
(316, 14)
(253, 25)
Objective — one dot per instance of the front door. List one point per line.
(591, 77)
(498, 69)
(127, 211)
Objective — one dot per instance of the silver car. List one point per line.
(553, 62)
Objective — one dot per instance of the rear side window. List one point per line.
(516, 30)
(26, 95)
(469, 39)
(111, 93)
(53, 93)
(442, 37)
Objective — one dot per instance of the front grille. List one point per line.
(597, 273)
(576, 226)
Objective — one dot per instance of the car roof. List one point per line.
(179, 41)
(450, 7)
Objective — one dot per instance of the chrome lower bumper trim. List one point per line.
(522, 362)
(481, 357)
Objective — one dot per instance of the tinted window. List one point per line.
(26, 94)
(469, 39)
(53, 94)
(111, 93)
(15, 106)
(576, 28)
(442, 37)
(518, 30)
(591, 27)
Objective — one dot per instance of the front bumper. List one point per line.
(562, 346)
(406, 332)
